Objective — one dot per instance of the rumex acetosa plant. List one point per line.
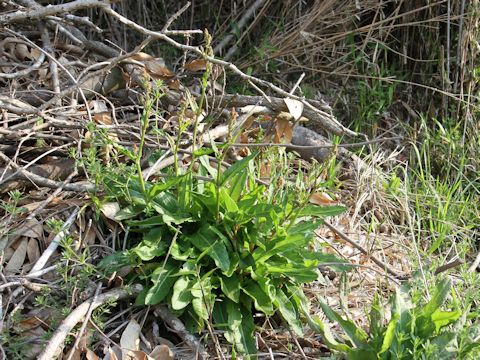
(219, 250)
(416, 329)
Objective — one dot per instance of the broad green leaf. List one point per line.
(304, 227)
(203, 299)
(169, 208)
(440, 295)
(182, 296)
(444, 318)
(376, 317)
(389, 335)
(313, 321)
(204, 160)
(140, 299)
(402, 305)
(294, 271)
(207, 199)
(237, 185)
(231, 287)
(167, 185)
(129, 212)
(163, 279)
(261, 299)
(184, 193)
(152, 245)
(206, 240)
(356, 334)
(203, 151)
(179, 252)
(241, 328)
(200, 308)
(319, 326)
(288, 311)
(115, 261)
(220, 315)
(281, 244)
(222, 237)
(165, 202)
(135, 195)
(166, 218)
(237, 168)
(229, 204)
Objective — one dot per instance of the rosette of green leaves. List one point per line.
(220, 250)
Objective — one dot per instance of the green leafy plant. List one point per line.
(216, 250)
(416, 330)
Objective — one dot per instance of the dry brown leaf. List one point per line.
(30, 228)
(138, 355)
(102, 118)
(101, 112)
(22, 52)
(162, 352)
(284, 130)
(30, 323)
(18, 258)
(89, 236)
(141, 56)
(73, 354)
(265, 171)
(90, 355)
(173, 84)
(295, 107)
(196, 65)
(248, 123)
(158, 70)
(110, 209)
(33, 251)
(130, 339)
(321, 198)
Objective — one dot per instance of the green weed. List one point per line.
(416, 329)
(217, 250)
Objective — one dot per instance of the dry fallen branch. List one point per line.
(42, 261)
(39, 12)
(56, 343)
(328, 121)
(177, 326)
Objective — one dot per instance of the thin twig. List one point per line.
(175, 16)
(41, 262)
(449, 265)
(384, 266)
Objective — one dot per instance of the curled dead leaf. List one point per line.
(110, 209)
(283, 129)
(141, 56)
(18, 257)
(30, 228)
(130, 339)
(162, 352)
(158, 70)
(196, 65)
(295, 107)
(321, 198)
